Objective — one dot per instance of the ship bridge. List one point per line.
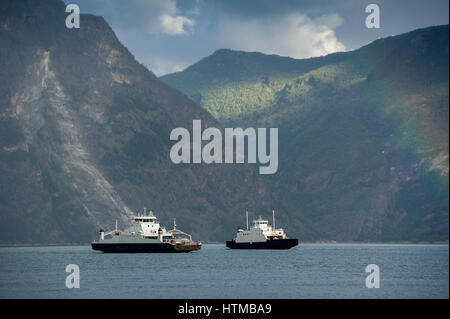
(260, 223)
(267, 230)
(148, 226)
(145, 219)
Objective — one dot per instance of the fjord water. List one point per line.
(306, 271)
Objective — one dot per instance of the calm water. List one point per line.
(306, 271)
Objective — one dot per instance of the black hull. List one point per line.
(141, 248)
(269, 244)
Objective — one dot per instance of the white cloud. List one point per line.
(293, 34)
(163, 17)
(174, 25)
(154, 16)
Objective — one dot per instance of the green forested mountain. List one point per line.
(363, 134)
(84, 138)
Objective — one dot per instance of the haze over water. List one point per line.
(306, 271)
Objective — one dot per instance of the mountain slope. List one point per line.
(84, 137)
(363, 134)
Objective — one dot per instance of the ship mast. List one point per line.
(246, 215)
(273, 217)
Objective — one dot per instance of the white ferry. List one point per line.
(261, 236)
(146, 236)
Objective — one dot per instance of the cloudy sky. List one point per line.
(169, 35)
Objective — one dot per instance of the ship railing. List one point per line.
(112, 232)
(177, 231)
